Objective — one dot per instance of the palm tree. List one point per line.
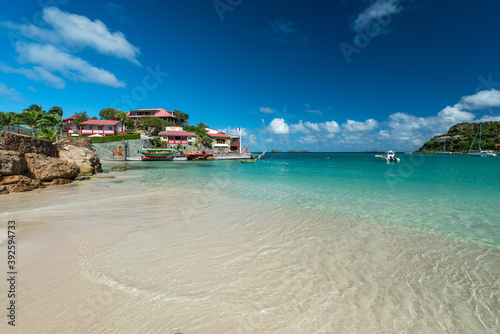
(48, 134)
(52, 122)
(7, 118)
(33, 117)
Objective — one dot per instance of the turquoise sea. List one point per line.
(331, 243)
(450, 195)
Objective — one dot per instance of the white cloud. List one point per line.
(355, 126)
(482, 100)
(298, 128)
(488, 118)
(234, 132)
(278, 127)
(330, 126)
(312, 126)
(76, 31)
(266, 110)
(307, 139)
(9, 93)
(378, 11)
(316, 112)
(38, 74)
(55, 60)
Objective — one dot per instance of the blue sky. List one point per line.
(339, 75)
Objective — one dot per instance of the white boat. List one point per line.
(389, 157)
(482, 154)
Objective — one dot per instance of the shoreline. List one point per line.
(221, 263)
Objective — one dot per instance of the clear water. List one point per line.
(333, 243)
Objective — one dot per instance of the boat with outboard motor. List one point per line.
(389, 157)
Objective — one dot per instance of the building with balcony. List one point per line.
(157, 112)
(100, 127)
(178, 137)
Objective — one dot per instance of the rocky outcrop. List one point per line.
(74, 141)
(86, 159)
(46, 168)
(12, 163)
(26, 144)
(18, 183)
(27, 163)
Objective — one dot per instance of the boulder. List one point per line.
(18, 183)
(12, 163)
(61, 181)
(85, 158)
(46, 168)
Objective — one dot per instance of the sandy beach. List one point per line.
(108, 257)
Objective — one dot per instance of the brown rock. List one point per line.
(85, 158)
(46, 168)
(18, 183)
(61, 181)
(12, 163)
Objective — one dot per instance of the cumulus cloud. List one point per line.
(55, 60)
(278, 127)
(355, 126)
(266, 110)
(77, 31)
(482, 100)
(331, 126)
(298, 128)
(9, 93)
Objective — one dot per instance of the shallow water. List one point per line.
(223, 247)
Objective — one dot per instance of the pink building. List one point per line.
(178, 137)
(100, 127)
(158, 112)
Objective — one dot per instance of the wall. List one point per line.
(131, 148)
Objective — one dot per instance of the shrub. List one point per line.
(109, 139)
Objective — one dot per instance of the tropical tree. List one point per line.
(180, 117)
(33, 117)
(80, 117)
(53, 122)
(48, 134)
(152, 125)
(7, 119)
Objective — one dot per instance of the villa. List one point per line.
(157, 112)
(178, 137)
(100, 127)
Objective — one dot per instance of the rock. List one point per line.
(18, 183)
(26, 144)
(85, 158)
(61, 181)
(46, 168)
(119, 168)
(83, 178)
(12, 163)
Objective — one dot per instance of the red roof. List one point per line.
(177, 133)
(222, 135)
(160, 112)
(72, 117)
(497, 145)
(456, 136)
(100, 122)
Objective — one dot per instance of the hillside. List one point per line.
(490, 135)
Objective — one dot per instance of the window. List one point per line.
(99, 127)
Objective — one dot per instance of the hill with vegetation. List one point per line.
(490, 135)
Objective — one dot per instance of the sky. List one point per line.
(327, 76)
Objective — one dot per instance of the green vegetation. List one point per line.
(181, 118)
(109, 139)
(490, 135)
